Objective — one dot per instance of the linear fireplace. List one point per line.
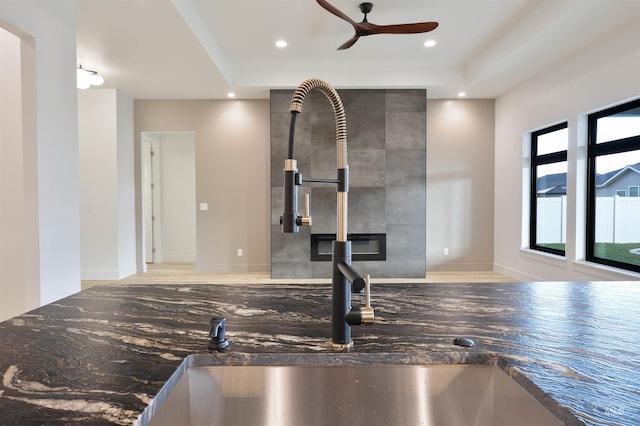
(363, 246)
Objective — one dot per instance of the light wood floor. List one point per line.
(185, 273)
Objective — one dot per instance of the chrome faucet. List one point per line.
(344, 279)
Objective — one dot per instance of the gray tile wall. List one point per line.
(386, 142)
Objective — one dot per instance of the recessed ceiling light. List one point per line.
(231, 95)
(462, 94)
(281, 43)
(429, 43)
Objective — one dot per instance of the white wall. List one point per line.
(605, 74)
(19, 256)
(107, 185)
(126, 186)
(460, 141)
(50, 135)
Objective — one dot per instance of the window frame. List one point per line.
(595, 150)
(538, 160)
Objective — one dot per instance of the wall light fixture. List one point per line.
(88, 78)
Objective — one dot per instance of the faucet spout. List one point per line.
(345, 279)
(292, 178)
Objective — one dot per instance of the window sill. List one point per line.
(544, 257)
(604, 272)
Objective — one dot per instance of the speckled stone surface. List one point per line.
(100, 356)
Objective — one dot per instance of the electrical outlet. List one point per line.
(239, 252)
(446, 251)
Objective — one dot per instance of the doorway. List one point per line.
(20, 253)
(169, 197)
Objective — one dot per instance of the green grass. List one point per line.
(610, 251)
(618, 252)
(557, 246)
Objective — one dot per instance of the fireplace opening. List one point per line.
(364, 247)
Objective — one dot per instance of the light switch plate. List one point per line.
(204, 206)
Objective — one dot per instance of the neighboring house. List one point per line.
(624, 182)
(553, 191)
(553, 185)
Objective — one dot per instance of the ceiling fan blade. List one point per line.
(349, 43)
(331, 8)
(420, 27)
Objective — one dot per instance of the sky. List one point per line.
(609, 128)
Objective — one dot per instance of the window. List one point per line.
(613, 179)
(547, 229)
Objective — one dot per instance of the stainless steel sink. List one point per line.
(442, 395)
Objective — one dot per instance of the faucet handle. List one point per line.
(367, 291)
(368, 315)
(306, 219)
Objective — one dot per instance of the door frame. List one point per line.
(151, 193)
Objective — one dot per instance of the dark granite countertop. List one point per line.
(100, 356)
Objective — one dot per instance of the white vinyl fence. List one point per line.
(617, 220)
(552, 218)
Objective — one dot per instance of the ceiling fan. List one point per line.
(366, 28)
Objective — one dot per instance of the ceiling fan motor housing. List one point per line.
(366, 7)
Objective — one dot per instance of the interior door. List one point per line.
(149, 189)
